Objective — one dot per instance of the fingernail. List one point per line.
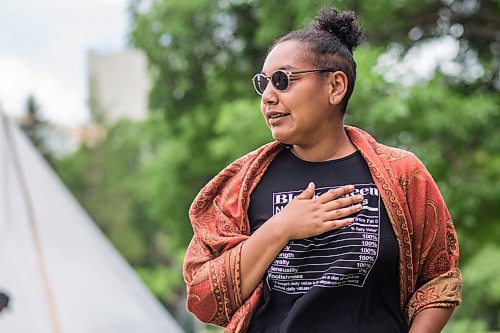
(358, 206)
(359, 197)
(351, 187)
(311, 185)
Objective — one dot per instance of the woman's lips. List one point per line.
(275, 118)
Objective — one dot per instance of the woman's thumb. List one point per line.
(308, 193)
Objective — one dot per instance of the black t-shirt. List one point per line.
(344, 280)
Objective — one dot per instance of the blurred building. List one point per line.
(56, 139)
(118, 85)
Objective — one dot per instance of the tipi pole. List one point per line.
(34, 231)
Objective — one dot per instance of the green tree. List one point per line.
(101, 173)
(36, 128)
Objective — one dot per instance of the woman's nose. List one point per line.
(270, 95)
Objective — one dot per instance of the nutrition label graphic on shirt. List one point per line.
(337, 258)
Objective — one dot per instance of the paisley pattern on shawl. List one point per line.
(427, 241)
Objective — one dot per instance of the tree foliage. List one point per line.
(204, 114)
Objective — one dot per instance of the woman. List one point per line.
(368, 246)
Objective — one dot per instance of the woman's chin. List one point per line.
(280, 136)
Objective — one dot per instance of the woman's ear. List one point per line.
(338, 87)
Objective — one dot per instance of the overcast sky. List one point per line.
(43, 47)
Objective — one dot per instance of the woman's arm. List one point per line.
(434, 249)
(431, 320)
(303, 217)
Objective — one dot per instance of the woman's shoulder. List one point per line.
(400, 160)
(395, 157)
(260, 152)
(242, 164)
(394, 154)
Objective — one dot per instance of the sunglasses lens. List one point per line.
(280, 80)
(259, 83)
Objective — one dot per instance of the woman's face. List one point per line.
(301, 115)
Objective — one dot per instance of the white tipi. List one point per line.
(62, 274)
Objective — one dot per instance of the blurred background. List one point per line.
(137, 104)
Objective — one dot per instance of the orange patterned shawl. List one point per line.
(428, 246)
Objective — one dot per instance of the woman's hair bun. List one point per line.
(344, 25)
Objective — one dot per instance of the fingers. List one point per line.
(308, 192)
(342, 212)
(337, 224)
(335, 193)
(342, 202)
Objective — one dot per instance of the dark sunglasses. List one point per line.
(280, 79)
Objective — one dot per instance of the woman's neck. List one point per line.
(334, 146)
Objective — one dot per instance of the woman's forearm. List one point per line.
(431, 320)
(257, 254)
